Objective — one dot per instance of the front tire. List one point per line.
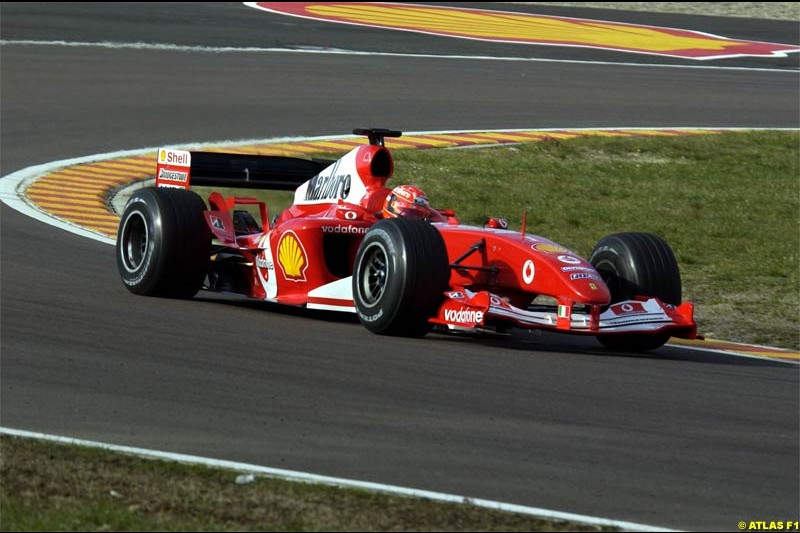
(401, 272)
(163, 243)
(634, 264)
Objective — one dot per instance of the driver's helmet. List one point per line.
(407, 201)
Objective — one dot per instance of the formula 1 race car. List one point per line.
(337, 248)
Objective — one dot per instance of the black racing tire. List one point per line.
(400, 274)
(634, 264)
(163, 243)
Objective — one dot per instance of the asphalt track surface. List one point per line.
(676, 439)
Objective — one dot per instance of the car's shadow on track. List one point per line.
(518, 339)
(261, 306)
(551, 342)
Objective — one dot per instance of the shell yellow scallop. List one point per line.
(292, 257)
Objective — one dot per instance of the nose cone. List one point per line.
(591, 291)
(576, 276)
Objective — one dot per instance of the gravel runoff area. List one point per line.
(763, 10)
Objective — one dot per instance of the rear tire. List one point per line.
(634, 264)
(401, 272)
(163, 243)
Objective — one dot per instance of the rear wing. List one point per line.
(180, 168)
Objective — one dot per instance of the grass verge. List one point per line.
(728, 204)
(54, 487)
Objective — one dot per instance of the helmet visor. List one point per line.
(401, 208)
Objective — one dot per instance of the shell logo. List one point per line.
(162, 156)
(549, 248)
(292, 257)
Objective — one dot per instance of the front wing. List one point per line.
(466, 310)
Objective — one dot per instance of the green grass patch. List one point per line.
(728, 204)
(54, 487)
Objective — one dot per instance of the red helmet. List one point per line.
(407, 201)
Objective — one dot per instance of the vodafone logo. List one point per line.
(463, 316)
(628, 308)
(350, 230)
(528, 272)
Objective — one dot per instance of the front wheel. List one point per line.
(400, 274)
(163, 243)
(634, 264)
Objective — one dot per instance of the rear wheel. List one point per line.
(163, 243)
(634, 264)
(401, 272)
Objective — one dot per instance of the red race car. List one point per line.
(349, 243)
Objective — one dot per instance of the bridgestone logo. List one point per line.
(171, 175)
(463, 316)
(370, 318)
